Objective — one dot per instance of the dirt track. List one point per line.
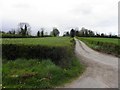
(101, 72)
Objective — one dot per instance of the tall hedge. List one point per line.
(56, 54)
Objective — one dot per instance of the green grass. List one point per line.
(55, 48)
(48, 41)
(106, 45)
(48, 62)
(38, 74)
(106, 40)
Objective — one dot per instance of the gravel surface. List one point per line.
(101, 71)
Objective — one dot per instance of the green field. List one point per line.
(106, 45)
(49, 41)
(39, 62)
(105, 40)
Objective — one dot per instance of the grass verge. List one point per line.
(38, 73)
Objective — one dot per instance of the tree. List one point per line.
(67, 34)
(90, 33)
(81, 33)
(11, 32)
(72, 33)
(24, 29)
(51, 33)
(14, 32)
(102, 35)
(42, 32)
(86, 32)
(97, 34)
(3, 32)
(55, 32)
(77, 33)
(110, 35)
(38, 33)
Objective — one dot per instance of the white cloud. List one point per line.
(97, 15)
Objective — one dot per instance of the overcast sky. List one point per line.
(96, 15)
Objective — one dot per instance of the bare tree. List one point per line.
(24, 29)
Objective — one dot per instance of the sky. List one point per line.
(97, 15)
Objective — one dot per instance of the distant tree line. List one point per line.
(24, 30)
(55, 32)
(87, 33)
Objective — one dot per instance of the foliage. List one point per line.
(66, 34)
(24, 29)
(39, 62)
(87, 33)
(38, 73)
(14, 51)
(56, 50)
(72, 33)
(38, 34)
(55, 32)
(11, 32)
(6, 35)
(42, 32)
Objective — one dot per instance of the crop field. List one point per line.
(49, 41)
(105, 40)
(107, 45)
(39, 62)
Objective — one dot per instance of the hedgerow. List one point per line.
(39, 63)
(13, 51)
(60, 55)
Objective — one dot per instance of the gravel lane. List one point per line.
(101, 71)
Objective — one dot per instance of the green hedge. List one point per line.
(20, 36)
(106, 47)
(57, 54)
